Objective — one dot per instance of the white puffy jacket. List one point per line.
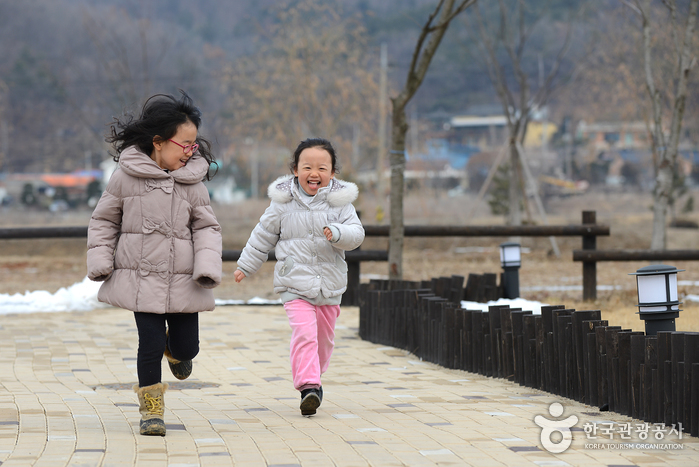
(307, 263)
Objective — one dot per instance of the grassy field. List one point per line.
(51, 264)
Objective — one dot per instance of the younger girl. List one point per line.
(311, 222)
(155, 242)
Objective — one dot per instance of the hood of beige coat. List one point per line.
(137, 164)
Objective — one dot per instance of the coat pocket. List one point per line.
(286, 266)
(341, 265)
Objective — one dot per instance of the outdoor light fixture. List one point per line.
(658, 303)
(511, 260)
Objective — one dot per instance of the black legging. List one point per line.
(182, 340)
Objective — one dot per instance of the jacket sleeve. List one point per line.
(263, 239)
(350, 228)
(103, 231)
(208, 244)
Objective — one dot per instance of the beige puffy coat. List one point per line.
(154, 239)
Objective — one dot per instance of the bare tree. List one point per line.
(430, 37)
(665, 146)
(310, 75)
(504, 50)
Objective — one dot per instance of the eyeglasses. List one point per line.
(189, 147)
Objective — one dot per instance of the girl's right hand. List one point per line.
(239, 275)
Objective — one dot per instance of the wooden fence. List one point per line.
(588, 231)
(571, 353)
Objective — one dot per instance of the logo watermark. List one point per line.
(549, 427)
(557, 436)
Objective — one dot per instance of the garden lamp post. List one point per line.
(658, 303)
(510, 260)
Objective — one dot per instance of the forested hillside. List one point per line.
(275, 71)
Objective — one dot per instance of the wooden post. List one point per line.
(695, 400)
(496, 365)
(669, 416)
(691, 356)
(560, 347)
(663, 399)
(477, 340)
(563, 336)
(399, 318)
(467, 341)
(590, 354)
(518, 342)
(363, 311)
(626, 370)
(649, 390)
(549, 363)
(507, 344)
(579, 345)
(385, 313)
(637, 354)
(456, 289)
(529, 367)
(612, 338)
(472, 287)
(677, 342)
(540, 360)
(349, 297)
(602, 379)
(374, 299)
(589, 268)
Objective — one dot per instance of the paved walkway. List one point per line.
(66, 399)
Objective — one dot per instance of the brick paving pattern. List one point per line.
(66, 399)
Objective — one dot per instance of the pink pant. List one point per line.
(312, 340)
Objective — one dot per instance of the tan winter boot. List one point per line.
(152, 408)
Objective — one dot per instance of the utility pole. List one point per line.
(382, 122)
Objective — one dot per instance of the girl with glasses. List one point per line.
(154, 241)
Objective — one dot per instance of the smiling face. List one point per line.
(168, 154)
(314, 170)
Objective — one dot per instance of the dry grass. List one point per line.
(51, 264)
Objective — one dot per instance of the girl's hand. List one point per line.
(239, 275)
(328, 233)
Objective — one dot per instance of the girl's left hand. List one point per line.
(328, 233)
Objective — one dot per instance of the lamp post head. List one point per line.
(658, 303)
(510, 255)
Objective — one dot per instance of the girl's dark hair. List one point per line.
(161, 116)
(314, 143)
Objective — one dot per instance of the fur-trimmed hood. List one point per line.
(338, 192)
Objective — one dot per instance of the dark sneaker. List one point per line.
(320, 390)
(310, 401)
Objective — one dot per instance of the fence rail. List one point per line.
(589, 230)
(635, 255)
(17, 233)
(572, 353)
(492, 230)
